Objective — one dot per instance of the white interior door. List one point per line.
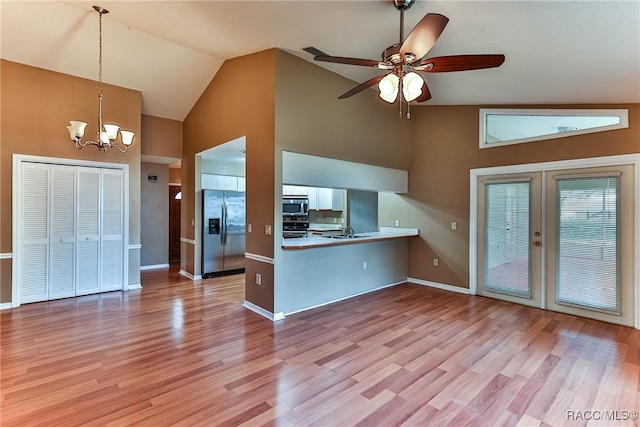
(88, 231)
(112, 230)
(34, 260)
(62, 246)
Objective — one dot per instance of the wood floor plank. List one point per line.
(179, 352)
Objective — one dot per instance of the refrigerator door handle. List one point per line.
(224, 223)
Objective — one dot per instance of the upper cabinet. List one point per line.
(294, 190)
(319, 198)
(210, 181)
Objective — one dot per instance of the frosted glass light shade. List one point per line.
(412, 86)
(112, 130)
(104, 137)
(389, 87)
(76, 130)
(127, 137)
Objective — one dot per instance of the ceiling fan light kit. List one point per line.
(403, 60)
(107, 132)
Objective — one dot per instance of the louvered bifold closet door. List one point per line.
(112, 231)
(88, 231)
(62, 242)
(35, 232)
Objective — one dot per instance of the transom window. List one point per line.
(500, 127)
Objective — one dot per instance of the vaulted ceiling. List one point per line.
(557, 52)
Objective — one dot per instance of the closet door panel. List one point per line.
(112, 230)
(88, 231)
(35, 232)
(62, 241)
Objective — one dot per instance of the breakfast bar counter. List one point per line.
(385, 233)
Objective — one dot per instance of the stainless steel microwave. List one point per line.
(298, 206)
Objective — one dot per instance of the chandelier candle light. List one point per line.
(107, 132)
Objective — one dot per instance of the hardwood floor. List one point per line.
(179, 353)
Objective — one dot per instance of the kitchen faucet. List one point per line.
(348, 232)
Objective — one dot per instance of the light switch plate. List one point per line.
(267, 230)
(454, 225)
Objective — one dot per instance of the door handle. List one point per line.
(537, 243)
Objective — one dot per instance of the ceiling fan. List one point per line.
(404, 59)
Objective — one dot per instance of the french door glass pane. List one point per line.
(507, 264)
(587, 258)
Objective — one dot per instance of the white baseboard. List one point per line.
(189, 275)
(153, 267)
(344, 298)
(442, 286)
(134, 286)
(262, 312)
(5, 306)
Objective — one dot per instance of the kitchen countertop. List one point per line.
(385, 233)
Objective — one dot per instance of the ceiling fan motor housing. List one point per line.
(403, 4)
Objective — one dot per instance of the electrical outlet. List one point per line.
(267, 230)
(258, 279)
(364, 265)
(454, 225)
(397, 223)
(435, 262)
(249, 228)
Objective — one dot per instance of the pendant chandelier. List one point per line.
(107, 132)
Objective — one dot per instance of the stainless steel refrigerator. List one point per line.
(223, 232)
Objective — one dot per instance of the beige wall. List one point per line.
(444, 150)
(36, 107)
(162, 137)
(238, 101)
(310, 119)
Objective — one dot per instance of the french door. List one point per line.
(561, 240)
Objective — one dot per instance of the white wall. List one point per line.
(318, 276)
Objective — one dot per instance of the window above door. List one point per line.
(500, 127)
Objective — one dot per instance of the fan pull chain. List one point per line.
(408, 113)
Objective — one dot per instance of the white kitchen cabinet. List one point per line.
(326, 199)
(229, 183)
(209, 181)
(337, 203)
(294, 190)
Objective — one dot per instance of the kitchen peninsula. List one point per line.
(320, 270)
(385, 233)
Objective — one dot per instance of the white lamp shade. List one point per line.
(412, 86)
(104, 138)
(76, 130)
(112, 130)
(127, 137)
(389, 87)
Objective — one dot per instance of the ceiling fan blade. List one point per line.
(362, 86)
(314, 51)
(422, 38)
(426, 95)
(348, 61)
(443, 64)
